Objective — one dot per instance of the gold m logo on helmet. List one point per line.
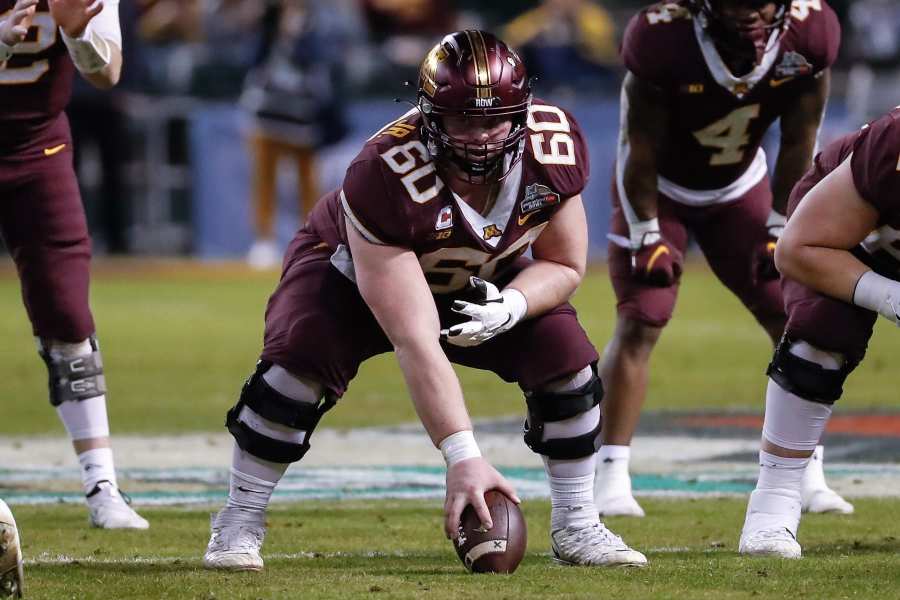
(429, 68)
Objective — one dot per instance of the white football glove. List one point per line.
(878, 294)
(492, 313)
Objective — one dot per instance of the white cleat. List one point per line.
(815, 494)
(264, 255)
(619, 506)
(109, 509)
(770, 527)
(825, 500)
(12, 579)
(778, 542)
(593, 546)
(235, 540)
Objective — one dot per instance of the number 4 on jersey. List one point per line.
(729, 135)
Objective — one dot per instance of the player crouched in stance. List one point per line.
(706, 79)
(11, 575)
(42, 219)
(428, 230)
(840, 267)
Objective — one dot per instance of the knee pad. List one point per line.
(807, 378)
(262, 399)
(547, 407)
(73, 378)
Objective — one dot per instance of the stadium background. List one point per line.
(166, 171)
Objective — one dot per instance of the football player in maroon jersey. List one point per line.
(42, 43)
(421, 252)
(706, 79)
(840, 267)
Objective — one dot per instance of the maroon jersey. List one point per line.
(393, 195)
(717, 121)
(875, 164)
(35, 87)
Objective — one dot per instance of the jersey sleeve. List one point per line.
(559, 147)
(370, 207)
(876, 164)
(107, 25)
(644, 52)
(822, 33)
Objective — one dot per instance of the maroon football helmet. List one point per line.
(474, 75)
(745, 39)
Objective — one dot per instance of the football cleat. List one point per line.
(825, 500)
(235, 540)
(593, 545)
(109, 509)
(779, 542)
(619, 506)
(11, 574)
(770, 527)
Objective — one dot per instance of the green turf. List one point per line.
(396, 550)
(177, 345)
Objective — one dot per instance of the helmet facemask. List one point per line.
(476, 163)
(744, 40)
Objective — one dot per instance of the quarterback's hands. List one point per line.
(765, 256)
(467, 482)
(492, 312)
(73, 16)
(14, 27)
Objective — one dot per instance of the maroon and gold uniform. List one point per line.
(41, 216)
(393, 194)
(823, 321)
(712, 172)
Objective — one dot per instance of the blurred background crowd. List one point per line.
(233, 116)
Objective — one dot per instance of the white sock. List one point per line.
(814, 475)
(613, 479)
(778, 489)
(97, 465)
(252, 481)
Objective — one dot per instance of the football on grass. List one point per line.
(499, 550)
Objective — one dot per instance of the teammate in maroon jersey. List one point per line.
(840, 264)
(42, 43)
(421, 251)
(706, 79)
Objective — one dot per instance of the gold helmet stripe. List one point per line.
(482, 68)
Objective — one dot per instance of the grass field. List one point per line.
(178, 341)
(396, 550)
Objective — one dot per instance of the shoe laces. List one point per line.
(594, 534)
(774, 533)
(240, 537)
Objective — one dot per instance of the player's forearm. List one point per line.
(546, 285)
(639, 181)
(794, 159)
(109, 75)
(98, 59)
(434, 388)
(830, 271)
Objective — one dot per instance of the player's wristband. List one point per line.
(459, 446)
(878, 294)
(775, 223)
(638, 232)
(89, 51)
(518, 306)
